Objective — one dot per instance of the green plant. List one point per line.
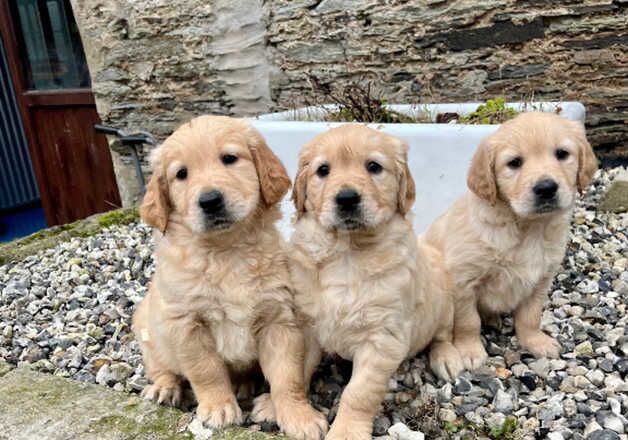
(359, 101)
(505, 432)
(355, 101)
(493, 111)
(454, 427)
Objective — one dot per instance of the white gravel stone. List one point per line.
(447, 415)
(588, 286)
(199, 430)
(503, 402)
(67, 311)
(591, 427)
(541, 367)
(596, 377)
(400, 431)
(613, 422)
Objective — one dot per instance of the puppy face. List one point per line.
(353, 177)
(535, 162)
(211, 174)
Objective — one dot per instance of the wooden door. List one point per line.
(72, 163)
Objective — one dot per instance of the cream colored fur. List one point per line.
(500, 253)
(372, 294)
(220, 301)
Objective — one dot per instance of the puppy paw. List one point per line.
(166, 390)
(540, 344)
(263, 409)
(219, 414)
(472, 353)
(300, 421)
(345, 432)
(445, 361)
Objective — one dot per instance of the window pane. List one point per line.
(51, 44)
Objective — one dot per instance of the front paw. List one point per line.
(263, 410)
(472, 353)
(349, 431)
(540, 344)
(301, 421)
(219, 414)
(165, 390)
(445, 361)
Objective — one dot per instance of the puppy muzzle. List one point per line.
(214, 209)
(348, 209)
(545, 196)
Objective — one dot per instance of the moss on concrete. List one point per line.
(161, 427)
(118, 217)
(5, 368)
(38, 405)
(47, 238)
(246, 434)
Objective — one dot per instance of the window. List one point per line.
(51, 45)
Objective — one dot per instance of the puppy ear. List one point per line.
(273, 178)
(587, 162)
(155, 207)
(481, 178)
(299, 189)
(407, 190)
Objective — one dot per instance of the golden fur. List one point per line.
(501, 248)
(368, 290)
(219, 302)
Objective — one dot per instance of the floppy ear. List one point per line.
(155, 207)
(299, 189)
(481, 178)
(407, 190)
(587, 162)
(273, 178)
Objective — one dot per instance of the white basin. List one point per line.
(439, 154)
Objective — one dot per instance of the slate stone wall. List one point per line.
(156, 63)
(451, 51)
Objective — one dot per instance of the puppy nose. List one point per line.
(348, 199)
(545, 189)
(211, 202)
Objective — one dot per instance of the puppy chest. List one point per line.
(233, 336)
(519, 275)
(348, 318)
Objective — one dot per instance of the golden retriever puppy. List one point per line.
(368, 290)
(219, 302)
(504, 241)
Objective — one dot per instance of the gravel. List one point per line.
(67, 311)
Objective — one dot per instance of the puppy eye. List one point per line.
(228, 159)
(182, 174)
(374, 167)
(515, 163)
(322, 170)
(562, 154)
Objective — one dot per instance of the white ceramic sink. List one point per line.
(439, 154)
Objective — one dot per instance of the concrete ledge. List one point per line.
(37, 406)
(47, 238)
(5, 368)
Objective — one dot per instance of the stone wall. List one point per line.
(452, 51)
(155, 63)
